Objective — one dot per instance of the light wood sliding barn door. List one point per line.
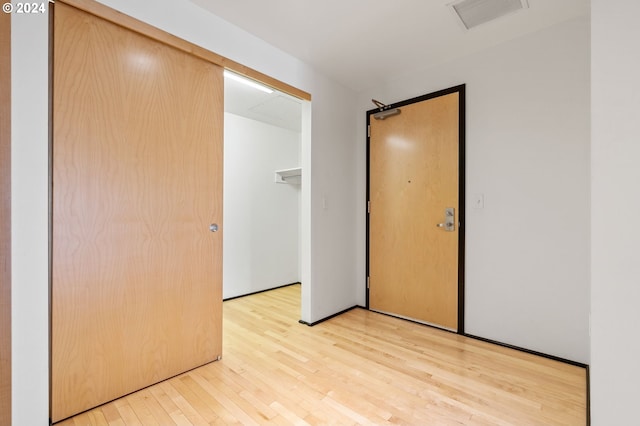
(137, 181)
(414, 191)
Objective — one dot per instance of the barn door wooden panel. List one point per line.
(137, 180)
(414, 200)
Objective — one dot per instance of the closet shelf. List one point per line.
(291, 176)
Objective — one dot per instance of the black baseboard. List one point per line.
(493, 342)
(311, 324)
(261, 291)
(529, 351)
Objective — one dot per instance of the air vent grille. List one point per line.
(477, 12)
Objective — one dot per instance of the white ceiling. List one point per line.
(362, 43)
(278, 109)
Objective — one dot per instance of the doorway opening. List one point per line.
(265, 185)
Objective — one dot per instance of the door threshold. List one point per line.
(430, 324)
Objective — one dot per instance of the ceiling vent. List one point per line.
(477, 12)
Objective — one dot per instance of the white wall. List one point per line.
(328, 236)
(261, 217)
(29, 220)
(615, 229)
(527, 251)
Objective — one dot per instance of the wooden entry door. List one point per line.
(137, 180)
(414, 177)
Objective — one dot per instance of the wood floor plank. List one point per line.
(141, 409)
(209, 391)
(230, 400)
(128, 414)
(111, 413)
(358, 368)
(168, 405)
(97, 418)
(182, 403)
(160, 415)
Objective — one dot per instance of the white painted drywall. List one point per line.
(527, 251)
(615, 204)
(29, 220)
(261, 217)
(327, 236)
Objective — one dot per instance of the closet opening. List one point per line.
(264, 188)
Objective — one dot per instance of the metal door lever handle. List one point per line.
(449, 223)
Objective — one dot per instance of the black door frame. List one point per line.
(460, 89)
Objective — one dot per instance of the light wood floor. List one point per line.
(358, 368)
